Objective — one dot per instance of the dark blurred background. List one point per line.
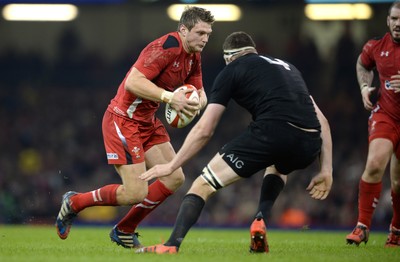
(57, 78)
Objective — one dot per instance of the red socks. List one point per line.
(104, 196)
(157, 194)
(368, 198)
(396, 209)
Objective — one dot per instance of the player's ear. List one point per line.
(183, 29)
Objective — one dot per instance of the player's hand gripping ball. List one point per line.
(172, 116)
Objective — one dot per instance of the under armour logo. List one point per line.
(383, 53)
(176, 64)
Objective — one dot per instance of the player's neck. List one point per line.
(243, 53)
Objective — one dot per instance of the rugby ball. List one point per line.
(171, 115)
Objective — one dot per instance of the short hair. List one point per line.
(396, 4)
(193, 14)
(238, 40)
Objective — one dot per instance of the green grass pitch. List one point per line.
(41, 243)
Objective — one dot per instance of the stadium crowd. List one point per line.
(50, 139)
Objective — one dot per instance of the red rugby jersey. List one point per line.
(384, 55)
(166, 64)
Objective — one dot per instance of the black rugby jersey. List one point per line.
(267, 87)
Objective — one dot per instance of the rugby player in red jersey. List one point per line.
(134, 138)
(382, 54)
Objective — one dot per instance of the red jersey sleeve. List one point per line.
(153, 59)
(168, 65)
(367, 55)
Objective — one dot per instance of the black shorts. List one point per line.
(267, 143)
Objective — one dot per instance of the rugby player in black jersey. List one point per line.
(287, 132)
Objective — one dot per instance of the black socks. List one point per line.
(271, 188)
(188, 214)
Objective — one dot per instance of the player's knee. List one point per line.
(206, 184)
(375, 168)
(202, 188)
(180, 178)
(175, 180)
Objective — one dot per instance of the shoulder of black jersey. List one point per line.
(170, 42)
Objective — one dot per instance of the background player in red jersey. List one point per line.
(134, 138)
(384, 128)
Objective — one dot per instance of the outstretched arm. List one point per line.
(197, 138)
(321, 184)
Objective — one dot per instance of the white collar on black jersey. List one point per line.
(229, 53)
